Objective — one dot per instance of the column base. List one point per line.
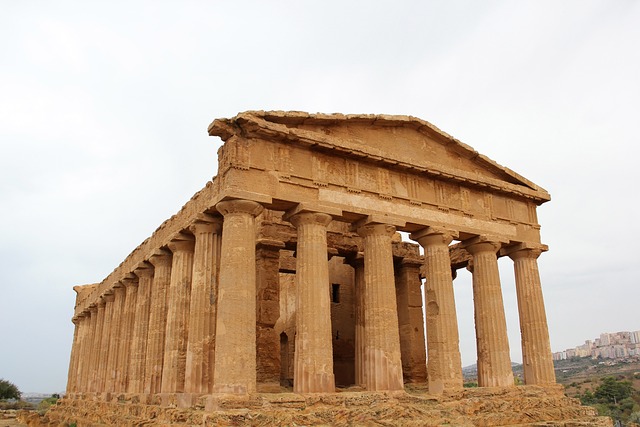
(239, 389)
(316, 383)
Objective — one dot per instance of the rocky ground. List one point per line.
(8, 419)
(519, 406)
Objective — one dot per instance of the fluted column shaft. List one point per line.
(157, 321)
(90, 351)
(444, 364)
(175, 347)
(268, 345)
(75, 352)
(84, 359)
(126, 332)
(202, 308)
(103, 332)
(313, 358)
(140, 331)
(411, 321)
(115, 337)
(382, 359)
(494, 361)
(537, 358)
(235, 353)
(358, 265)
(80, 361)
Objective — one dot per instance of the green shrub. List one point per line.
(16, 404)
(9, 390)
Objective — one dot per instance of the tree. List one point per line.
(9, 390)
(587, 398)
(613, 391)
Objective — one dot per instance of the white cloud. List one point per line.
(104, 110)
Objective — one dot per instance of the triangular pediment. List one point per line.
(401, 141)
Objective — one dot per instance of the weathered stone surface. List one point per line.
(286, 270)
(444, 363)
(313, 365)
(235, 348)
(382, 357)
(178, 299)
(411, 321)
(528, 406)
(161, 262)
(202, 307)
(492, 343)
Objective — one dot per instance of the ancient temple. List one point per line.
(288, 270)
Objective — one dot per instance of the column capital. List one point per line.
(304, 218)
(483, 243)
(434, 235)
(239, 206)
(143, 271)
(180, 245)
(522, 250)
(129, 279)
(214, 226)
(373, 229)
(160, 258)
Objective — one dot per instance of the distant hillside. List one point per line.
(578, 369)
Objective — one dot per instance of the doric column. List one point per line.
(161, 261)
(140, 330)
(537, 358)
(115, 336)
(411, 321)
(443, 343)
(198, 372)
(175, 347)
(90, 351)
(126, 333)
(382, 359)
(235, 354)
(313, 358)
(84, 327)
(267, 314)
(72, 375)
(357, 262)
(103, 332)
(494, 361)
(86, 341)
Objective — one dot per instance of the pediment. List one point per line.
(398, 141)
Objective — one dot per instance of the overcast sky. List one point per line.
(104, 108)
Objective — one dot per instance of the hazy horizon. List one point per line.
(105, 106)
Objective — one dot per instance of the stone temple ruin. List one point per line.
(282, 289)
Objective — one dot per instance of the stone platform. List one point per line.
(517, 406)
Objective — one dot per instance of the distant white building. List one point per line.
(614, 345)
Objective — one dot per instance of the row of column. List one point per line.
(167, 328)
(493, 360)
(378, 350)
(134, 339)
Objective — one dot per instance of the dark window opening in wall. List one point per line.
(335, 293)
